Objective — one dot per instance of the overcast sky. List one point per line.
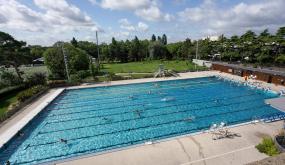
(47, 21)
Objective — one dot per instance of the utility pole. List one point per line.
(98, 54)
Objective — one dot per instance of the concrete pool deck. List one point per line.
(179, 150)
(192, 149)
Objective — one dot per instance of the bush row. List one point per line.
(28, 93)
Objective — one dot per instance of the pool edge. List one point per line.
(8, 134)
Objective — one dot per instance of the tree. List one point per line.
(13, 53)
(134, 53)
(281, 33)
(77, 60)
(89, 47)
(74, 42)
(153, 38)
(158, 51)
(105, 52)
(159, 39)
(113, 49)
(36, 51)
(164, 39)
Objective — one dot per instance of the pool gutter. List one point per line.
(13, 130)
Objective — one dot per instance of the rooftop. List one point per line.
(268, 70)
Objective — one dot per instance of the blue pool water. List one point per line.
(93, 120)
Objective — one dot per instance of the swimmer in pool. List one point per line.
(63, 141)
(20, 134)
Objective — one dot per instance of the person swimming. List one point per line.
(20, 134)
(63, 141)
(131, 97)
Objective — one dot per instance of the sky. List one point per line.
(43, 22)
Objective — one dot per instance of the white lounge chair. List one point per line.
(282, 92)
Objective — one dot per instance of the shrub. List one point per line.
(113, 77)
(280, 59)
(28, 93)
(37, 78)
(74, 78)
(83, 74)
(57, 83)
(268, 147)
(8, 78)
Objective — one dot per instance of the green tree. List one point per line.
(159, 39)
(113, 48)
(134, 53)
(89, 47)
(13, 53)
(164, 39)
(153, 38)
(74, 42)
(77, 60)
(105, 52)
(36, 51)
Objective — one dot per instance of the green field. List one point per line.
(149, 66)
(135, 67)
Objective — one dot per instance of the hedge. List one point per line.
(28, 93)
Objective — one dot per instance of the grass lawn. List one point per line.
(136, 67)
(6, 101)
(149, 66)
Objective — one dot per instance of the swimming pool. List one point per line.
(94, 120)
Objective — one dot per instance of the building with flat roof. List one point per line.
(263, 74)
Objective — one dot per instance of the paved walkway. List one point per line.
(192, 150)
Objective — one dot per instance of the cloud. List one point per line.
(146, 9)
(142, 26)
(243, 16)
(55, 15)
(153, 13)
(125, 4)
(17, 16)
(126, 25)
(62, 13)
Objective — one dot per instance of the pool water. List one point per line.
(98, 119)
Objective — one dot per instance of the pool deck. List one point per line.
(278, 103)
(191, 149)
